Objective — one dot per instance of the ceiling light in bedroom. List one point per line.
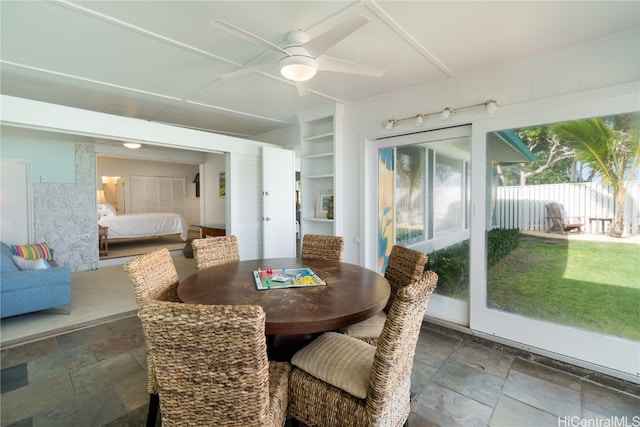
(132, 145)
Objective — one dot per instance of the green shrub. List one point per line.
(452, 263)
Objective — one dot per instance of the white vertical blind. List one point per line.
(157, 194)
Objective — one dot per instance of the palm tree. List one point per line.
(611, 149)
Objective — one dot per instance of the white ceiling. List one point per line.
(161, 60)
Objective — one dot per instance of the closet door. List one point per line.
(16, 214)
(278, 177)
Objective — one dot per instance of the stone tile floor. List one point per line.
(97, 377)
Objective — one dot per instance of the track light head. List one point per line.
(419, 120)
(445, 113)
(389, 124)
(491, 106)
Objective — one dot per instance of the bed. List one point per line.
(141, 225)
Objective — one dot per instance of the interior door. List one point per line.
(15, 202)
(279, 203)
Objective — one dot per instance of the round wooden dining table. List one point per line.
(351, 294)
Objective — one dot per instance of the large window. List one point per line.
(575, 259)
(568, 294)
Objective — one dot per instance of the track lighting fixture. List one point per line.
(490, 105)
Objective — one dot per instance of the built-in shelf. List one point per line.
(320, 135)
(317, 176)
(318, 156)
(317, 219)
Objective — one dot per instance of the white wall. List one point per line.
(214, 204)
(524, 87)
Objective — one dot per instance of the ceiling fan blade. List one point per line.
(303, 88)
(239, 32)
(323, 42)
(243, 71)
(329, 63)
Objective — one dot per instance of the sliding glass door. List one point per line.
(423, 203)
(501, 274)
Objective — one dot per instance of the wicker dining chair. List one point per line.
(317, 246)
(212, 251)
(212, 367)
(405, 266)
(153, 277)
(338, 380)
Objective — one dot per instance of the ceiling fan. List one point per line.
(301, 57)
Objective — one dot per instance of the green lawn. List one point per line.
(589, 285)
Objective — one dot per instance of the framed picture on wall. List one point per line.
(322, 201)
(223, 188)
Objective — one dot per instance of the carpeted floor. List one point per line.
(119, 249)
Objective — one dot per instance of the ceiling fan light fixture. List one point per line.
(298, 68)
(132, 145)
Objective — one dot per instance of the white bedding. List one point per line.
(132, 226)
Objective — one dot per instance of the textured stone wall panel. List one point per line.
(65, 213)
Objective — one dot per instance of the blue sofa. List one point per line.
(31, 290)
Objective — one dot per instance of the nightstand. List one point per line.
(103, 240)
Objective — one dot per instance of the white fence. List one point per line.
(523, 207)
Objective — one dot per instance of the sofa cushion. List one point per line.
(21, 280)
(34, 251)
(6, 259)
(31, 264)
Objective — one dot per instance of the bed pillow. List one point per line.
(31, 264)
(35, 251)
(106, 210)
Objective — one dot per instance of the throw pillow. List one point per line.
(30, 264)
(35, 251)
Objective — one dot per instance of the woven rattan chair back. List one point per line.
(316, 246)
(405, 266)
(390, 380)
(211, 363)
(153, 277)
(212, 251)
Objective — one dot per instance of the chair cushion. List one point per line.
(340, 360)
(370, 328)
